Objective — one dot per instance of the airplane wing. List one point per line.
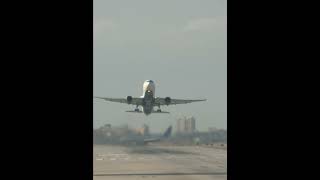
(169, 101)
(134, 101)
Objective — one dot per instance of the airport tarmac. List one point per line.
(159, 162)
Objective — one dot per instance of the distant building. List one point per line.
(180, 125)
(186, 125)
(191, 125)
(212, 129)
(144, 130)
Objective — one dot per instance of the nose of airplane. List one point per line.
(148, 86)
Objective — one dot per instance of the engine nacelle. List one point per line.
(129, 99)
(167, 100)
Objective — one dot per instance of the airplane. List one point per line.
(145, 141)
(148, 100)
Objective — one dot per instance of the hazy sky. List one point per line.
(180, 44)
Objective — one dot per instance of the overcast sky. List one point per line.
(180, 44)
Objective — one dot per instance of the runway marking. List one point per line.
(164, 174)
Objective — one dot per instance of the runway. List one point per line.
(159, 162)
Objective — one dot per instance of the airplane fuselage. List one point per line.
(148, 97)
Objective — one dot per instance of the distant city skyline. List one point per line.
(180, 44)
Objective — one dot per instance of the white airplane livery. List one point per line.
(148, 100)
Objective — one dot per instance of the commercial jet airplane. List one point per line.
(148, 100)
(145, 141)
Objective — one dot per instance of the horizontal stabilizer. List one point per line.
(135, 111)
(160, 112)
(152, 112)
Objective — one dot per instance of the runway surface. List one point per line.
(159, 162)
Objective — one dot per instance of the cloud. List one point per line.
(206, 23)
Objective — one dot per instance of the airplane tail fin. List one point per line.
(168, 132)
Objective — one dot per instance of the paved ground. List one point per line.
(159, 162)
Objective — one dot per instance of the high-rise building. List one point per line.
(190, 125)
(193, 124)
(186, 125)
(146, 130)
(180, 125)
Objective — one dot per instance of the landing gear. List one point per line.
(136, 109)
(159, 110)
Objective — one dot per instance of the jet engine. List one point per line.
(129, 99)
(167, 100)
